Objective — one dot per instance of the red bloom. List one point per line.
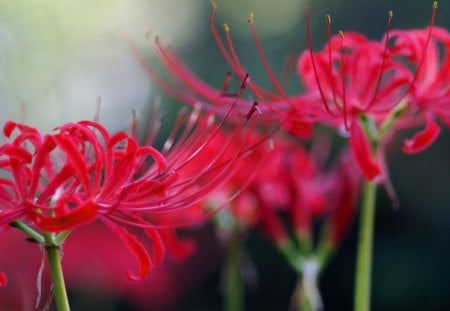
(432, 87)
(81, 173)
(289, 181)
(353, 77)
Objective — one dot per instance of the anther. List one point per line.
(253, 109)
(341, 34)
(250, 17)
(390, 14)
(435, 5)
(328, 19)
(226, 27)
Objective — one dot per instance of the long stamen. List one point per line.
(231, 56)
(422, 59)
(330, 62)
(263, 58)
(313, 61)
(218, 40)
(259, 92)
(383, 61)
(344, 101)
(226, 83)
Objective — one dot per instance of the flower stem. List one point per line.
(54, 260)
(234, 299)
(365, 246)
(307, 295)
(28, 231)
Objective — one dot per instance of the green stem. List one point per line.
(54, 260)
(365, 246)
(28, 231)
(308, 294)
(234, 298)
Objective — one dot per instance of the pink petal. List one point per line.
(9, 127)
(423, 139)
(80, 215)
(362, 154)
(74, 157)
(17, 153)
(180, 249)
(159, 249)
(138, 250)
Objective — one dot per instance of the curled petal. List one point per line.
(9, 127)
(80, 215)
(157, 156)
(138, 250)
(157, 243)
(74, 156)
(361, 153)
(180, 249)
(17, 153)
(423, 139)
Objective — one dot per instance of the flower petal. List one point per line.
(179, 249)
(362, 154)
(423, 139)
(82, 214)
(136, 247)
(17, 153)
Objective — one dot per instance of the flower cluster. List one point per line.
(53, 183)
(365, 90)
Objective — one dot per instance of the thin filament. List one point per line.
(383, 61)
(313, 62)
(344, 101)
(330, 62)
(263, 58)
(427, 43)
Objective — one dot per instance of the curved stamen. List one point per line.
(344, 101)
(383, 62)
(263, 58)
(422, 59)
(330, 62)
(259, 92)
(313, 62)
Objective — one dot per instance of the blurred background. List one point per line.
(67, 60)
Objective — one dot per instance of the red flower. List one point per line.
(431, 90)
(287, 180)
(81, 173)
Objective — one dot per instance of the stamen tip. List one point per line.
(390, 14)
(435, 5)
(341, 34)
(226, 27)
(328, 19)
(250, 17)
(213, 5)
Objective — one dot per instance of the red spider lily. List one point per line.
(188, 88)
(349, 78)
(354, 77)
(291, 181)
(311, 194)
(57, 182)
(431, 88)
